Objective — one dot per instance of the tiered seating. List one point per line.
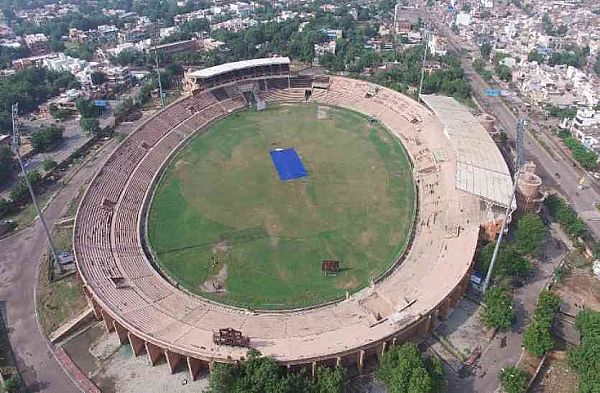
(277, 83)
(283, 95)
(301, 82)
(220, 94)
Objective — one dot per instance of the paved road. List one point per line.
(549, 157)
(505, 349)
(18, 268)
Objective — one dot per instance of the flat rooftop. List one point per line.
(481, 169)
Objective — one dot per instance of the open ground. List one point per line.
(224, 226)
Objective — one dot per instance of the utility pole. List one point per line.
(16, 147)
(424, 59)
(518, 164)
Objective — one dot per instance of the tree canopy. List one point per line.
(258, 374)
(46, 137)
(404, 370)
(586, 358)
(513, 380)
(6, 163)
(530, 234)
(498, 311)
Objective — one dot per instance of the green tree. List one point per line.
(12, 384)
(90, 125)
(537, 338)
(509, 261)
(46, 137)
(20, 192)
(259, 374)
(586, 358)
(403, 369)
(498, 311)
(513, 380)
(478, 65)
(48, 165)
(5, 207)
(530, 234)
(485, 50)
(503, 72)
(534, 55)
(6, 164)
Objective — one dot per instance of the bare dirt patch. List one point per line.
(348, 282)
(556, 376)
(216, 283)
(322, 112)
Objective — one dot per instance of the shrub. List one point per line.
(48, 165)
(513, 380)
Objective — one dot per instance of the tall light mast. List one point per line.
(16, 148)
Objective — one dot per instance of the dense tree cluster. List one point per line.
(561, 113)
(8, 54)
(586, 157)
(537, 338)
(259, 374)
(509, 262)
(46, 137)
(566, 216)
(586, 358)
(404, 370)
(406, 73)
(498, 311)
(572, 56)
(30, 87)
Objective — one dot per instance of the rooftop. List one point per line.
(481, 169)
(238, 65)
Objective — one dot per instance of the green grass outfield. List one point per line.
(220, 212)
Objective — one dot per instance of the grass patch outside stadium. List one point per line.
(225, 227)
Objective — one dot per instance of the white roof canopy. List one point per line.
(481, 169)
(238, 65)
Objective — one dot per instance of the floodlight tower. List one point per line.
(160, 91)
(426, 38)
(520, 133)
(16, 147)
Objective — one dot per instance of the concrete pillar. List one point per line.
(96, 308)
(194, 366)
(137, 344)
(383, 347)
(108, 321)
(211, 365)
(154, 353)
(313, 369)
(121, 332)
(173, 360)
(394, 340)
(361, 360)
(338, 361)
